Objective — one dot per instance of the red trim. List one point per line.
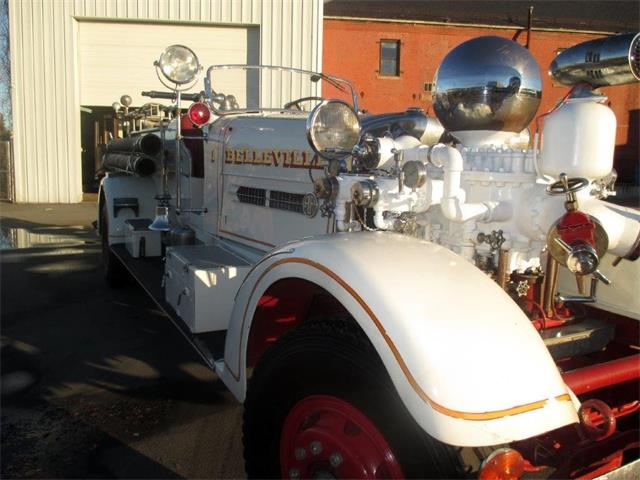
(594, 377)
(284, 305)
(328, 437)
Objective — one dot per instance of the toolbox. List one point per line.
(201, 282)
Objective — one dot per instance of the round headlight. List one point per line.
(179, 64)
(333, 129)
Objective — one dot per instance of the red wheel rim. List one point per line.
(326, 437)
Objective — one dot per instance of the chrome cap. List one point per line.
(487, 83)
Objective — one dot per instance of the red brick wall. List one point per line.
(351, 50)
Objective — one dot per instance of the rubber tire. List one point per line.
(115, 273)
(334, 358)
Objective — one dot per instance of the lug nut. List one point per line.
(300, 453)
(335, 460)
(316, 448)
(294, 473)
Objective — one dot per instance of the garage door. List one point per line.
(117, 58)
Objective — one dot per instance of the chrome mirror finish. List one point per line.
(487, 83)
(613, 60)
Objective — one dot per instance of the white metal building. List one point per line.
(68, 54)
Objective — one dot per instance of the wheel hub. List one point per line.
(326, 437)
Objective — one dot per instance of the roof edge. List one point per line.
(467, 25)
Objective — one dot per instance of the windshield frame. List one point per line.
(341, 84)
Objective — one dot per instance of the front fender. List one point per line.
(464, 358)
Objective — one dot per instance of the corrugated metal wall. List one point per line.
(45, 87)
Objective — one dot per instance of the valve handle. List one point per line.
(567, 185)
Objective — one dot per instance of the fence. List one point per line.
(6, 170)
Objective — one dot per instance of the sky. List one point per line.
(5, 95)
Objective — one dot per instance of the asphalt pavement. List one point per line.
(96, 382)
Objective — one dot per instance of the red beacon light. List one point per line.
(199, 114)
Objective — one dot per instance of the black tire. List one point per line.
(334, 358)
(115, 274)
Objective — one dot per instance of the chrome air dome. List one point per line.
(488, 83)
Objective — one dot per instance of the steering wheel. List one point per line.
(295, 104)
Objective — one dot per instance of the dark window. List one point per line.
(254, 196)
(291, 202)
(390, 58)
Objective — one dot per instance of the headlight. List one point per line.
(179, 64)
(333, 129)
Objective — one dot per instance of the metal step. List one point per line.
(587, 336)
(148, 272)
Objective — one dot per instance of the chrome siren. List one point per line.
(606, 61)
(488, 83)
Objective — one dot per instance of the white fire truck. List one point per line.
(395, 295)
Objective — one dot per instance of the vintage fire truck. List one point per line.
(395, 295)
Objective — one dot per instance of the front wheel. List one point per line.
(321, 405)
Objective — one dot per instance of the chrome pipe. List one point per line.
(178, 159)
(606, 61)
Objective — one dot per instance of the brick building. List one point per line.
(391, 50)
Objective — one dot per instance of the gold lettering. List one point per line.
(229, 155)
(295, 159)
(288, 158)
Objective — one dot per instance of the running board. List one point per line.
(580, 338)
(149, 274)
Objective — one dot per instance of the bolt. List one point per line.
(315, 447)
(300, 453)
(294, 473)
(335, 459)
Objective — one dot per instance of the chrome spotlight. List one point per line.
(178, 64)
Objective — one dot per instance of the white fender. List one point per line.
(466, 361)
(116, 186)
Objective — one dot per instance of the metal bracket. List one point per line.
(120, 203)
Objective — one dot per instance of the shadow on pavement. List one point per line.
(98, 383)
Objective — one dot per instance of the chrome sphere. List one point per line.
(488, 83)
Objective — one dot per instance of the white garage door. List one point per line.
(117, 58)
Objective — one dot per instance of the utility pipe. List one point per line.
(453, 203)
(594, 377)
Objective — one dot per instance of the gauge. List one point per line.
(415, 174)
(310, 205)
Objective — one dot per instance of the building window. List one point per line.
(390, 58)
